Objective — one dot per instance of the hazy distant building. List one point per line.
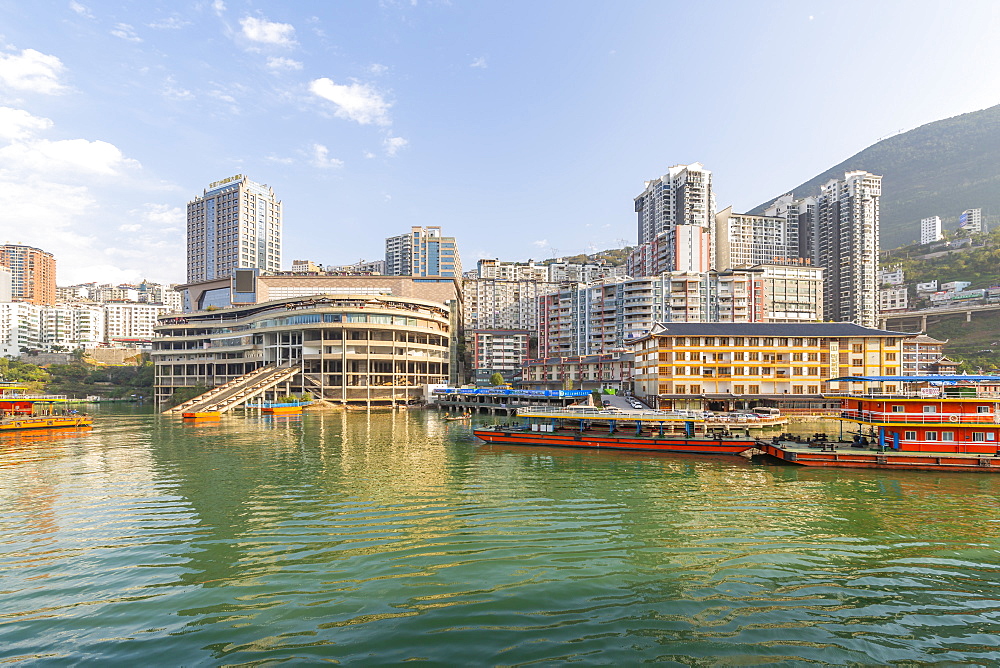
(422, 252)
(847, 247)
(676, 214)
(235, 224)
(971, 220)
(930, 230)
(6, 292)
(32, 273)
(743, 239)
(891, 275)
(800, 214)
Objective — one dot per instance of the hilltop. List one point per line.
(941, 168)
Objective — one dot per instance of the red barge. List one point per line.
(644, 430)
(933, 422)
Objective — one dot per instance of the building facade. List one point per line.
(69, 326)
(351, 349)
(32, 273)
(743, 239)
(675, 215)
(587, 372)
(500, 351)
(847, 247)
(422, 252)
(234, 224)
(701, 365)
(930, 230)
(971, 220)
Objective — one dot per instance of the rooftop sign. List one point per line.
(216, 184)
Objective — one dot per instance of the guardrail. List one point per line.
(590, 413)
(922, 418)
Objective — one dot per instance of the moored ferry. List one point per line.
(932, 422)
(21, 410)
(591, 427)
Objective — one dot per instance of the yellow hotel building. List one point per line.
(727, 366)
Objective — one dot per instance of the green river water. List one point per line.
(380, 538)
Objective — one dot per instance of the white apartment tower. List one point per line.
(847, 245)
(676, 214)
(235, 224)
(971, 220)
(930, 230)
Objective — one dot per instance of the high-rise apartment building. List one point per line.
(676, 215)
(32, 273)
(971, 220)
(6, 283)
(800, 213)
(930, 230)
(847, 246)
(743, 239)
(422, 252)
(235, 224)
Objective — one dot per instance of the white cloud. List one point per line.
(479, 63)
(66, 156)
(369, 154)
(377, 68)
(219, 6)
(268, 32)
(19, 124)
(126, 32)
(393, 144)
(541, 243)
(80, 9)
(356, 101)
(32, 71)
(279, 160)
(278, 63)
(321, 158)
(163, 216)
(129, 228)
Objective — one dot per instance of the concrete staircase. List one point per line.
(238, 391)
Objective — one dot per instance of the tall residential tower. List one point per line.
(32, 273)
(422, 252)
(235, 224)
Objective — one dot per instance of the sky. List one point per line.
(523, 129)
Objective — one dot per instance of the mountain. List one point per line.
(938, 169)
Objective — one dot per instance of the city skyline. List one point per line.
(376, 118)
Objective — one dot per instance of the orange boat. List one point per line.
(21, 410)
(645, 430)
(933, 422)
(203, 415)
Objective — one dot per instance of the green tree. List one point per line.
(496, 379)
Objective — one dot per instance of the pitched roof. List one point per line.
(814, 329)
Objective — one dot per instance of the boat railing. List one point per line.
(589, 413)
(33, 397)
(921, 418)
(980, 394)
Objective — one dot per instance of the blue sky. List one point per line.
(522, 128)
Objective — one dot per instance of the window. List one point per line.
(797, 389)
(898, 409)
(856, 348)
(738, 389)
(890, 357)
(680, 389)
(910, 435)
(930, 409)
(814, 389)
(982, 409)
(930, 436)
(978, 436)
(947, 436)
(696, 389)
(753, 389)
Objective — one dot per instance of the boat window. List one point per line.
(978, 436)
(982, 409)
(910, 435)
(930, 436)
(898, 409)
(947, 436)
(930, 409)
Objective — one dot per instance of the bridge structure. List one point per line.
(905, 321)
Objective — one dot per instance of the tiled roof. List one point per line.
(814, 329)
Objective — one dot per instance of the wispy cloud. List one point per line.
(65, 156)
(356, 101)
(172, 91)
(377, 69)
(169, 23)
(80, 9)
(219, 7)
(321, 158)
(479, 63)
(393, 144)
(263, 31)
(541, 243)
(279, 63)
(126, 32)
(32, 71)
